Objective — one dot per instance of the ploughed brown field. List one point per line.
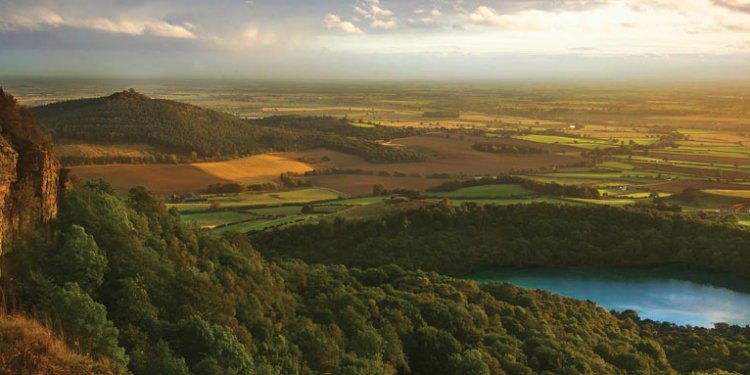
(450, 156)
(183, 178)
(453, 156)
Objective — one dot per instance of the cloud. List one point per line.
(43, 18)
(423, 23)
(489, 17)
(384, 24)
(29, 19)
(335, 22)
(253, 36)
(742, 6)
(738, 28)
(378, 16)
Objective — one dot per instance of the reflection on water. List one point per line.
(694, 297)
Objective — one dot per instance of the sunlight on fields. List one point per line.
(252, 167)
(730, 193)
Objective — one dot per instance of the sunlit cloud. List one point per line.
(736, 5)
(39, 18)
(526, 20)
(333, 21)
(373, 12)
(374, 32)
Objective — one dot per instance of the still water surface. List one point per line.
(678, 295)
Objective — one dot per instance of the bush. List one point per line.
(80, 260)
(85, 325)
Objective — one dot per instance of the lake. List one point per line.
(669, 294)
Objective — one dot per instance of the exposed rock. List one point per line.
(8, 176)
(29, 171)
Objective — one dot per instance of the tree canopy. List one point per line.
(159, 296)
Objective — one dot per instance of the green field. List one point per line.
(213, 219)
(583, 143)
(260, 218)
(260, 199)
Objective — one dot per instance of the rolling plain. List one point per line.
(685, 147)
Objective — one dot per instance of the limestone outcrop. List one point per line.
(29, 171)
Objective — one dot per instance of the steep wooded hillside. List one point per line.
(129, 117)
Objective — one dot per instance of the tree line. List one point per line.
(500, 148)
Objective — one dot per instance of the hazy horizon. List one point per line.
(592, 41)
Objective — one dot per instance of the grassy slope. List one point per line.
(26, 347)
(261, 199)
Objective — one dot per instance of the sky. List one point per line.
(639, 40)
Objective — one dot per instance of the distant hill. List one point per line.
(130, 117)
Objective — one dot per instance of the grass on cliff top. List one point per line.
(27, 347)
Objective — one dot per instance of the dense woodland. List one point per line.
(454, 240)
(126, 281)
(184, 129)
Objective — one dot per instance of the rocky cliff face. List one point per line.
(29, 171)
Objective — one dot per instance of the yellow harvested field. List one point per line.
(180, 178)
(253, 167)
(730, 193)
(329, 108)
